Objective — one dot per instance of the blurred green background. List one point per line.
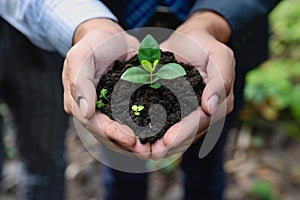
(273, 89)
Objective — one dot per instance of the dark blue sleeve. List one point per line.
(240, 14)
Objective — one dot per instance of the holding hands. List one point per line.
(199, 41)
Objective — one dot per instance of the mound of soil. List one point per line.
(163, 107)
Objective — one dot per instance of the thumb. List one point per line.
(78, 79)
(219, 81)
(80, 72)
(84, 94)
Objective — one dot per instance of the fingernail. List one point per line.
(83, 106)
(212, 104)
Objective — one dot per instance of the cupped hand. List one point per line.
(97, 44)
(200, 42)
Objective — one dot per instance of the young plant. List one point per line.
(149, 57)
(137, 109)
(100, 104)
(103, 93)
(102, 96)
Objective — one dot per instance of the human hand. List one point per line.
(97, 44)
(200, 42)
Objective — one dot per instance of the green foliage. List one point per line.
(273, 89)
(149, 57)
(137, 109)
(275, 85)
(285, 20)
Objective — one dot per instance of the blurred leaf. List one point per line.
(285, 21)
(295, 104)
(264, 190)
(273, 88)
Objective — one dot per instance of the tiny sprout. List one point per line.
(149, 56)
(137, 109)
(103, 93)
(100, 104)
(102, 96)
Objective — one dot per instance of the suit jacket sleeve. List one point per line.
(240, 14)
(50, 24)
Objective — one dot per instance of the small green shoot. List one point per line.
(100, 104)
(103, 93)
(137, 109)
(149, 56)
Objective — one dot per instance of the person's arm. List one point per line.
(203, 41)
(240, 15)
(50, 24)
(80, 29)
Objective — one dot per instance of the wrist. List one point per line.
(101, 24)
(210, 22)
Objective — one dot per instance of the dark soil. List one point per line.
(163, 107)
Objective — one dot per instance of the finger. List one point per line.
(181, 148)
(220, 78)
(158, 150)
(187, 128)
(79, 72)
(181, 134)
(142, 151)
(84, 94)
(67, 94)
(114, 131)
(126, 140)
(106, 130)
(115, 146)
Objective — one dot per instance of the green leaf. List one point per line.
(155, 85)
(134, 108)
(103, 93)
(171, 71)
(139, 108)
(149, 50)
(100, 104)
(155, 64)
(135, 75)
(147, 65)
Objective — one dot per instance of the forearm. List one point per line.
(240, 14)
(50, 24)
